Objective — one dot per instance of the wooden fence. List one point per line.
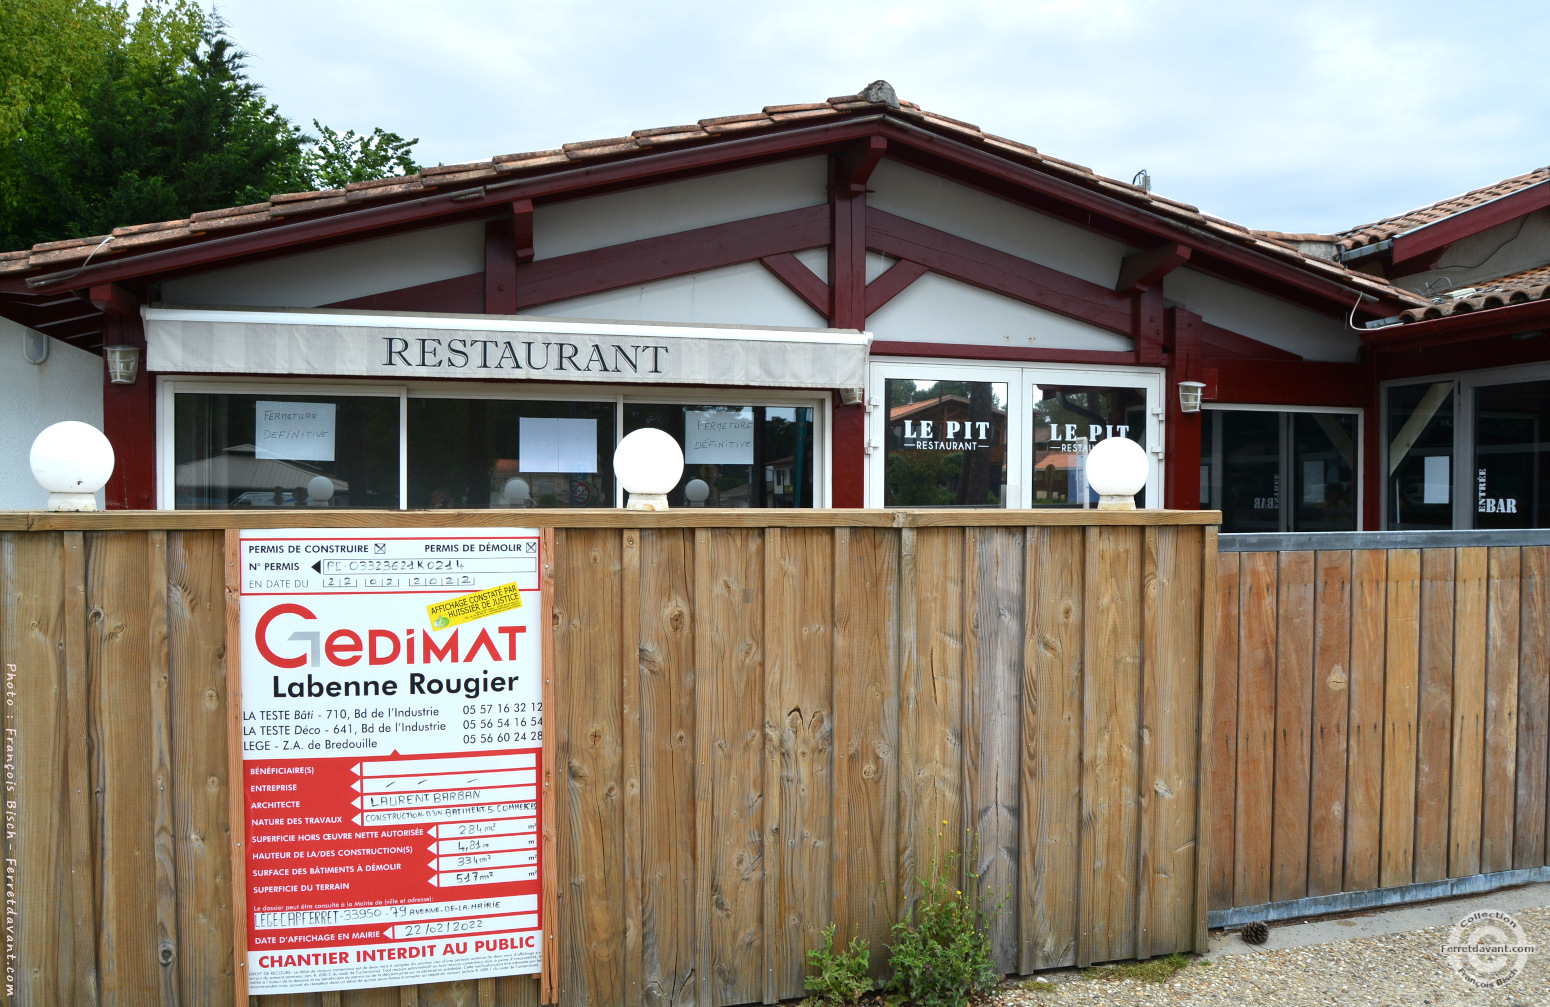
(764, 723)
(1382, 705)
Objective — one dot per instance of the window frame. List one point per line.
(1286, 481)
(1020, 378)
(169, 387)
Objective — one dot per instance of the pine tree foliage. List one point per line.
(108, 120)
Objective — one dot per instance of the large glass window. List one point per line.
(946, 444)
(505, 453)
(741, 456)
(1270, 471)
(270, 450)
(1512, 455)
(1419, 488)
(1067, 421)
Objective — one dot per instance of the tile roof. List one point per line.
(1369, 234)
(876, 96)
(1517, 288)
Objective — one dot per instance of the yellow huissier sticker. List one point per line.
(468, 607)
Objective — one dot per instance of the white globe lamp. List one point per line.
(649, 464)
(72, 460)
(517, 492)
(1116, 471)
(696, 491)
(320, 490)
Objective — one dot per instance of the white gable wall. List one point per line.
(969, 213)
(599, 221)
(745, 294)
(1506, 248)
(1298, 330)
(937, 309)
(66, 386)
(311, 279)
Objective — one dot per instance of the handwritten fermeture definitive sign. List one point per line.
(390, 766)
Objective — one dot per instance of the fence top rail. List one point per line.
(1328, 540)
(187, 520)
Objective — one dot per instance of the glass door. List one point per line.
(1069, 412)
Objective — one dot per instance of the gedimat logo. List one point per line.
(346, 647)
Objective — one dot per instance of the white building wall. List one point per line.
(312, 279)
(938, 309)
(745, 294)
(66, 386)
(1506, 248)
(1259, 316)
(599, 221)
(957, 209)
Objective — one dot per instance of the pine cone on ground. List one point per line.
(1255, 933)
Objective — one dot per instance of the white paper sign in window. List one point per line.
(557, 445)
(296, 431)
(1434, 487)
(718, 437)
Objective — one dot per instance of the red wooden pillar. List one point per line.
(507, 243)
(847, 284)
(129, 421)
(1181, 437)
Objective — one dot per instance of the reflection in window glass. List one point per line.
(1512, 456)
(1067, 422)
(746, 456)
(946, 444)
(267, 450)
(1249, 455)
(480, 453)
(1420, 432)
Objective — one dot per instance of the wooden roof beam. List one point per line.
(1419, 248)
(1144, 270)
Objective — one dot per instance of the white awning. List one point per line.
(402, 346)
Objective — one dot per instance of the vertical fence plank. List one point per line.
(1434, 719)
(121, 719)
(1205, 840)
(590, 755)
(630, 738)
(1174, 677)
(993, 656)
(1402, 680)
(1533, 709)
(1470, 634)
(1256, 728)
(799, 691)
(162, 828)
(1498, 798)
(1051, 747)
(1146, 759)
(1331, 710)
(1111, 738)
(1294, 726)
(1364, 760)
(550, 809)
(932, 708)
(201, 779)
(866, 736)
(732, 622)
(1223, 757)
(667, 732)
(33, 629)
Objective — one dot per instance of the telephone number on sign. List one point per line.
(505, 737)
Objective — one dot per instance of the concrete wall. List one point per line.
(1506, 248)
(311, 279)
(66, 386)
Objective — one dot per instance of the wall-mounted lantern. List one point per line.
(1189, 395)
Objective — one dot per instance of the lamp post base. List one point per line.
(72, 501)
(1116, 503)
(647, 501)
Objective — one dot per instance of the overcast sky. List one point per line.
(1292, 116)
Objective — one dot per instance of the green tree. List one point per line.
(145, 120)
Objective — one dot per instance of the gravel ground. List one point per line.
(1397, 970)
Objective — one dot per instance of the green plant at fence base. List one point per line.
(941, 952)
(1153, 970)
(842, 975)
